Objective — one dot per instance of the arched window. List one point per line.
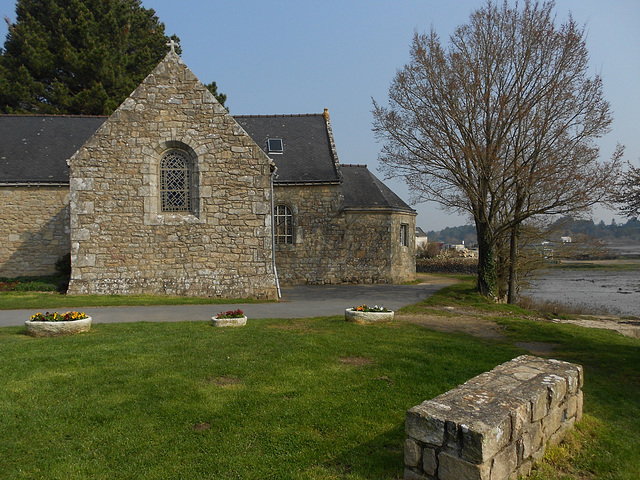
(175, 182)
(283, 224)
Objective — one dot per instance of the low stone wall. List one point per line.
(496, 425)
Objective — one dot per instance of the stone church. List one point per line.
(172, 195)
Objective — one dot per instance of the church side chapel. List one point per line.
(172, 195)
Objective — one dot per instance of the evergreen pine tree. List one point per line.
(78, 56)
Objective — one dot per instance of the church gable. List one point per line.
(171, 196)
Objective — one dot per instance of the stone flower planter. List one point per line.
(366, 318)
(54, 329)
(229, 322)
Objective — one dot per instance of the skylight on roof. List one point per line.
(274, 145)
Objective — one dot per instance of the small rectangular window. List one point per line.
(283, 224)
(274, 145)
(404, 230)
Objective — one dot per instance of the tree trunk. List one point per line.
(513, 265)
(487, 274)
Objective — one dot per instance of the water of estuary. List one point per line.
(615, 291)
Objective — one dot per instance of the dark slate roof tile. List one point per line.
(34, 148)
(306, 155)
(362, 190)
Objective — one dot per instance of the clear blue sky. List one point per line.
(301, 56)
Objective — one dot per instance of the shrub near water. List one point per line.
(464, 266)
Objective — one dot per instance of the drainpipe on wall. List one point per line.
(273, 233)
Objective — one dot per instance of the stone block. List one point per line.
(539, 404)
(454, 468)
(425, 425)
(429, 461)
(480, 441)
(412, 475)
(572, 406)
(412, 453)
(580, 397)
(520, 418)
(525, 469)
(559, 434)
(557, 388)
(504, 463)
(531, 439)
(551, 423)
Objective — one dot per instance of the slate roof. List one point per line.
(362, 191)
(35, 148)
(48, 141)
(307, 155)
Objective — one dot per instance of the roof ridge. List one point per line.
(51, 115)
(278, 115)
(353, 165)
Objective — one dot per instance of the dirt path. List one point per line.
(478, 323)
(481, 324)
(459, 322)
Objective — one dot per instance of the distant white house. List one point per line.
(565, 239)
(421, 238)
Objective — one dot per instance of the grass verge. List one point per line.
(43, 293)
(307, 399)
(43, 300)
(311, 399)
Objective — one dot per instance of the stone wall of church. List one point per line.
(403, 254)
(121, 240)
(332, 246)
(35, 220)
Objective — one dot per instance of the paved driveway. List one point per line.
(297, 302)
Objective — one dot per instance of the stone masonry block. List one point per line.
(572, 407)
(429, 461)
(580, 406)
(412, 475)
(481, 441)
(531, 439)
(424, 424)
(539, 404)
(552, 422)
(453, 468)
(412, 453)
(557, 388)
(520, 418)
(504, 463)
(559, 434)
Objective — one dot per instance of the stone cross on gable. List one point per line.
(172, 44)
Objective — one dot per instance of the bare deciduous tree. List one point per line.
(500, 124)
(628, 195)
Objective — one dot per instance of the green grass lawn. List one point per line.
(306, 399)
(48, 293)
